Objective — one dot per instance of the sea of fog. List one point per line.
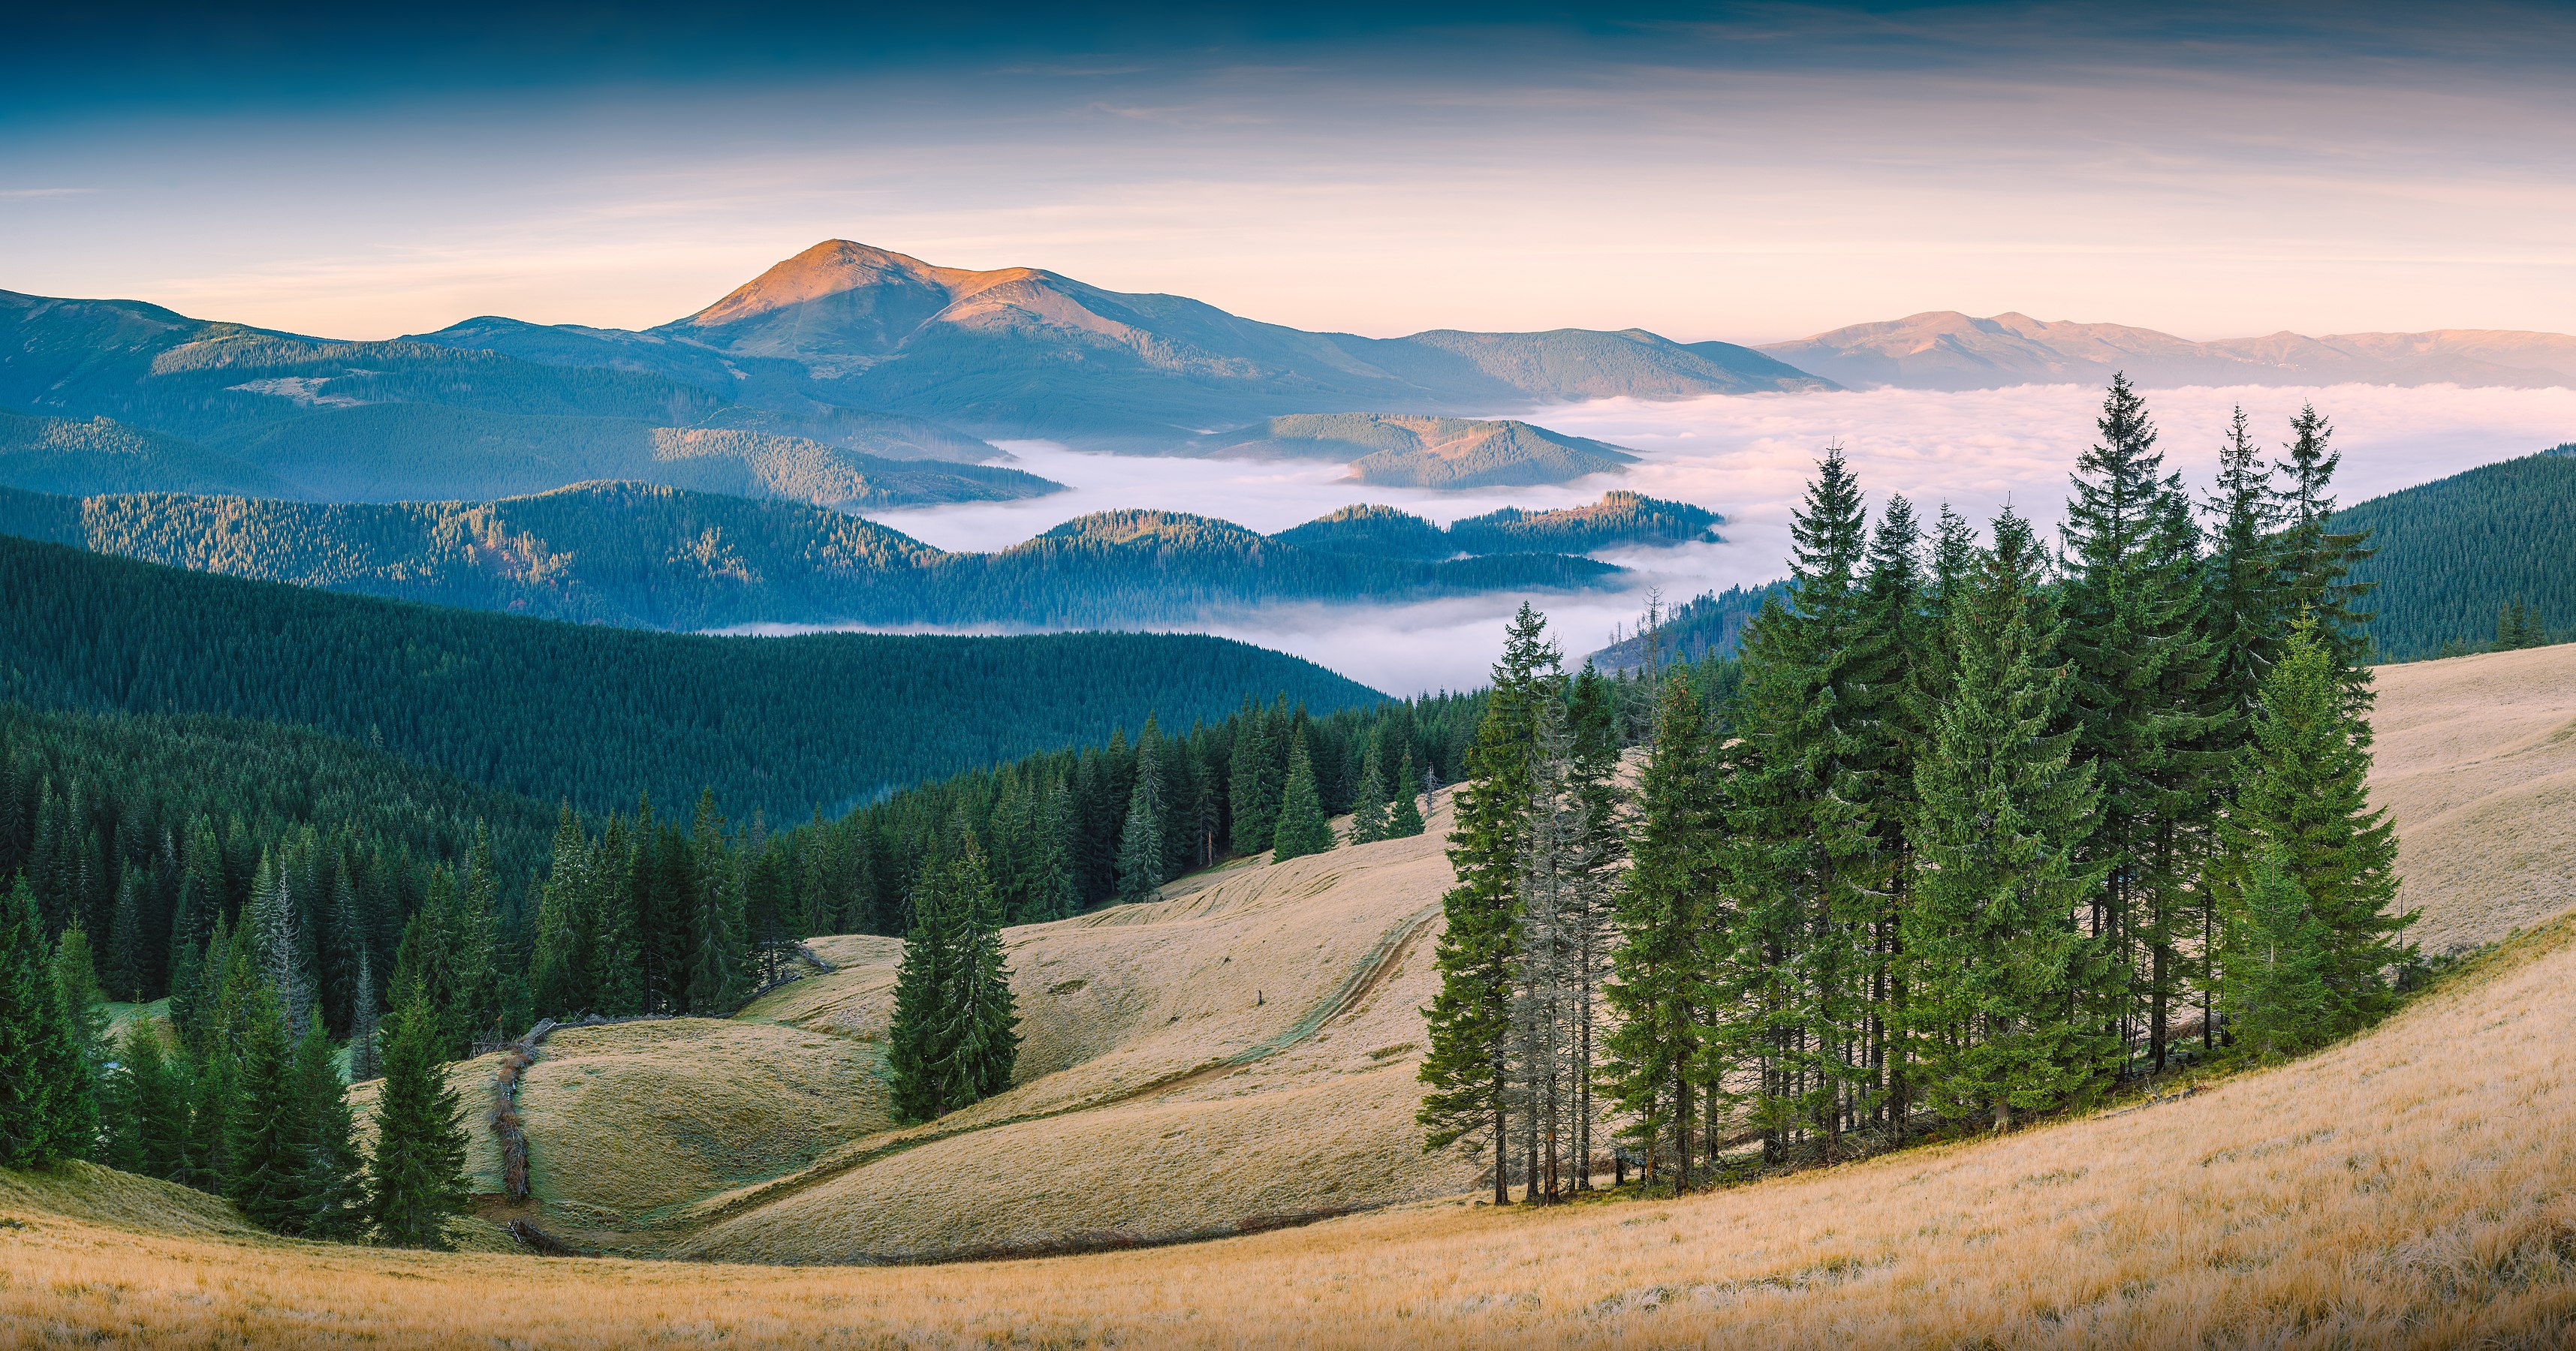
(1748, 458)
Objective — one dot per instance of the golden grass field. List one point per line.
(2415, 1186)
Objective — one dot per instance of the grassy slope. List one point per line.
(2409, 1187)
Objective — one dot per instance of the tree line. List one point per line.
(1977, 830)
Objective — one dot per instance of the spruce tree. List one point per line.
(1302, 828)
(988, 1044)
(210, 1112)
(1253, 789)
(1140, 845)
(1593, 721)
(122, 973)
(74, 972)
(154, 1108)
(2316, 563)
(2273, 956)
(916, 1047)
(1998, 1015)
(2139, 661)
(1372, 806)
(366, 1055)
(1467, 1067)
(1666, 908)
(330, 1193)
(416, 1174)
(48, 1102)
(720, 945)
(2303, 803)
(1404, 818)
(265, 1134)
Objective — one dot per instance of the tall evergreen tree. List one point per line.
(48, 1103)
(74, 971)
(1253, 788)
(267, 1128)
(1467, 1067)
(2273, 953)
(721, 949)
(987, 1015)
(1668, 907)
(1999, 1016)
(1302, 829)
(1404, 818)
(154, 1106)
(1140, 847)
(416, 1174)
(2302, 807)
(918, 1051)
(329, 1191)
(2317, 563)
(1372, 807)
(366, 1054)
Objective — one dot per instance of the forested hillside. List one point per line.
(1424, 452)
(600, 715)
(649, 556)
(1619, 519)
(2453, 555)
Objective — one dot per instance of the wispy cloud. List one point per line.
(16, 193)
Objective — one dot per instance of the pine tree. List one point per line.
(2302, 805)
(2316, 564)
(200, 905)
(2273, 955)
(1302, 828)
(122, 974)
(917, 1050)
(616, 977)
(416, 1175)
(1667, 907)
(1404, 819)
(1140, 846)
(1467, 1067)
(270, 922)
(561, 964)
(1998, 1015)
(720, 946)
(74, 972)
(987, 1015)
(155, 1106)
(1372, 806)
(329, 1188)
(366, 1055)
(1253, 789)
(2139, 661)
(266, 1130)
(48, 1103)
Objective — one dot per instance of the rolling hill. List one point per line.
(1944, 349)
(648, 556)
(595, 715)
(1619, 520)
(1235, 1055)
(1425, 452)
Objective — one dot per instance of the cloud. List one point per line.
(1749, 458)
(17, 193)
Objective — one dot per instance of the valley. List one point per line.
(1249, 1011)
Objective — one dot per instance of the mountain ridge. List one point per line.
(1950, 350)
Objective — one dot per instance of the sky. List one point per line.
(1743, 172)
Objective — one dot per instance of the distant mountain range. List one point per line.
(653, 556)
(1944, 349)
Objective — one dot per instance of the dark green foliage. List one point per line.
(416, 1174)
(954, 1038)
(1404, 819)
(2451, 555)
(2139, 665)
(328, 1188)
(2002, 987)
(2302, 811)
(558, 711)
(1467, 1067)
(1669, 912)
(2518, 626)
(2319, 555)
(1619, 518)
(149, 1117)
(1710, 623)
(1302, 828)
(1372, 804)
(2273, 959)
(1373, 531)
(48, 1100)
(266, 1131)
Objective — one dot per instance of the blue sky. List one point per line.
(1744, 172)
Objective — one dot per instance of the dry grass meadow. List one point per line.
(2415, 1186)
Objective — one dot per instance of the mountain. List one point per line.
(1021, 351)
(651, 556)
(2452, 553)
(594, 715)
(1944, 349)
(1619, 518)
(1426, 452)
(248, 410)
